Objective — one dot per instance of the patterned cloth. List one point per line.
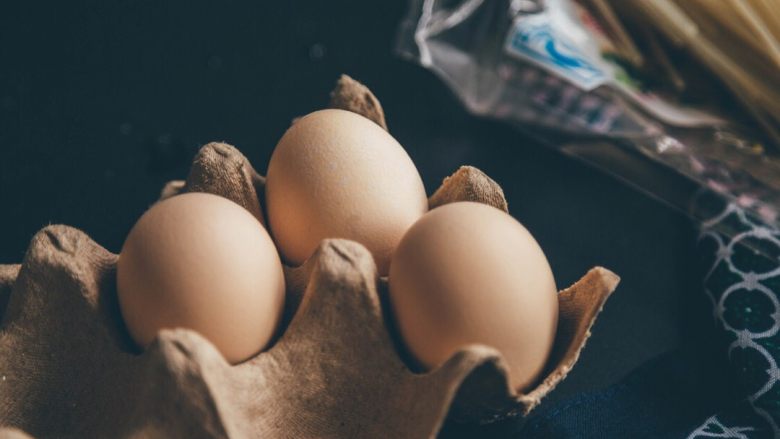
(743, 282)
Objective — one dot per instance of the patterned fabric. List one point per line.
(743, 282)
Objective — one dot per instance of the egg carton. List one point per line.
(69, 369)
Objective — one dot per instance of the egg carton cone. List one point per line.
(69, 369)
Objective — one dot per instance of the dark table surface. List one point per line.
(102, 102)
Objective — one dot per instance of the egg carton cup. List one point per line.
(69, 369)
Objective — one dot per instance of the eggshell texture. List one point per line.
(202, 262)
(468, 273)
(336, 174)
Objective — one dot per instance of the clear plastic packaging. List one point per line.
(542, 65)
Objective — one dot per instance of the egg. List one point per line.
(202, 262)
(467, 273)
(336, 174)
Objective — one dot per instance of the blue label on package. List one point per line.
(533, 38)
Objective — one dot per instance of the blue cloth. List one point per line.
(667, 397)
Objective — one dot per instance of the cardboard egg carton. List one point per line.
(69, 369)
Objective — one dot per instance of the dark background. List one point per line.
(103, 102)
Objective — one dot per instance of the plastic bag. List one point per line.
(542, 65)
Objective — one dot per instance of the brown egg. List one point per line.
(336, 174)
(468, 273)
(202, 262)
